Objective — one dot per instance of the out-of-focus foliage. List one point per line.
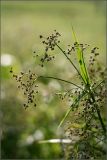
(22, 23)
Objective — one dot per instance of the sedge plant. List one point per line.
(88, 97)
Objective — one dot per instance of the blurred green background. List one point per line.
(21, 25)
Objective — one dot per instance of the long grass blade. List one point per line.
(83, 69)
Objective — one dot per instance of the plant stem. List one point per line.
(100, 118)
(50, 77)
(70, 61)
(98, 111)
(99, 84)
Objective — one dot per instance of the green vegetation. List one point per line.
(24, 129)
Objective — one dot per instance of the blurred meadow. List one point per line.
(21, 25)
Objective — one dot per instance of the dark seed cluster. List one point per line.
(70, 94)
(27, 82)
(81, 45)
(93, 56)
(93, 68)
(50, 42)
(72, 48)
(64, 94)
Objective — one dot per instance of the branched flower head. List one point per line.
(27, 82)
(49, 43)
(72, 48)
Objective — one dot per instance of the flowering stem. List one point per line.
(61, 80)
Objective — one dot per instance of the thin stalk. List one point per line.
(70, 61)
(59, 79)
(98, 111)
(100, 118)
(99, 84)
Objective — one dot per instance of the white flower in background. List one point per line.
(29, 140)
(38, 135)
(7, 59)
